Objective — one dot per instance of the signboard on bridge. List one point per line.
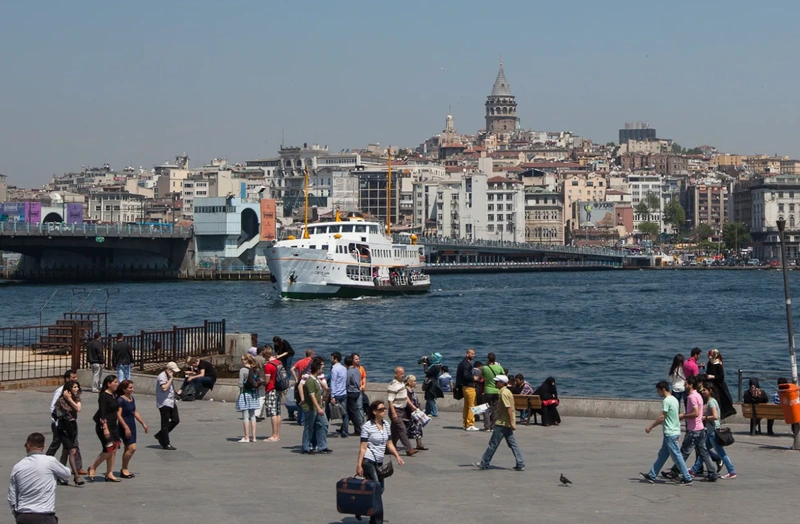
(12, 212)
(74, 213)
(596, 214)
(268, 231)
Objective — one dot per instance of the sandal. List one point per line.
(112, 479)
(79, 481)
(272, 439)
(91, 473)
(128, 476)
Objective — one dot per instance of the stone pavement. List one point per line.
(212, 478)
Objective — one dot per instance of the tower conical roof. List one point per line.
(500, 87)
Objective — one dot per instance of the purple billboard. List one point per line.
(74, 213)
(33, 212)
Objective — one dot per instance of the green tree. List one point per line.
(674, 215)
(642, 209)
(611, 144)
(676, 148)
(649, 229)
(703, 231)
(652, 201)
(735, 234)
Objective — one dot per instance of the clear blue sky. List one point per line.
(135, 83)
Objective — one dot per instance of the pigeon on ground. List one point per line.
(564, 480)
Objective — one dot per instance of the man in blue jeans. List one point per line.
(504, 426)
(122, 358)
(672, 431)
(339, 391)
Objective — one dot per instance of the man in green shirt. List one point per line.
(490, 392)
(505, 425)
(314, 421)
(672, 432)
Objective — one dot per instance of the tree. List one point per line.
(611, 144)
(734, 234)
(642, 209)
(674, 215)
(676, 148)
(649, 229)
(652, 201)
(703, 231)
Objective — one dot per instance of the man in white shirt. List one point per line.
(165, 401)
(397, 398)
(32, 488)
(56, 443)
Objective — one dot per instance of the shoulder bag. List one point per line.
(724, 436)
(458, 393)
(386, 470)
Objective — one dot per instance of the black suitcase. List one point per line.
(358, 497)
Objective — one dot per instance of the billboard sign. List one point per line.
(268, 231)
(596, 214)
(12, 212)
(75, 214)
(33, 212)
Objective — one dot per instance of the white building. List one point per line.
(640, 185)
(115, 207)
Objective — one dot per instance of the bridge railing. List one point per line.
(94, 230)
(550, 263)
(457, 242)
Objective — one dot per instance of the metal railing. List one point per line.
(747, 374)
(94, 230)
(33, 352)
(553, 263)
(166, 345)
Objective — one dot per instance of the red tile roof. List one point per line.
(501, 180)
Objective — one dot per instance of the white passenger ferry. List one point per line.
(346, 258)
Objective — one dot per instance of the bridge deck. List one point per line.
(16, 229)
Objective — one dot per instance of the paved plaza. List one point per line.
(212, 478)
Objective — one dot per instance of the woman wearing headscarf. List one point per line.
(716, 375)
(549, 395)
(754, 395)
(413, 425)
(430, 386)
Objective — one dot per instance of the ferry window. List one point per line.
(347, 228)
(373, 229)
(312, 247)
(333, 229)
(361, 228)
(325, 247)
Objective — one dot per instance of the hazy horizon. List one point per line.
(139, 83)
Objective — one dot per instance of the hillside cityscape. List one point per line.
(501, 183)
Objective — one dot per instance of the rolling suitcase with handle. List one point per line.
(355, 496)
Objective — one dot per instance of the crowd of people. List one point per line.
(487, 390)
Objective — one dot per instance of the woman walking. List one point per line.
(128, 415)
(106, 428)
(716, 375)
(413, 426)
(711, 420)
(375, 442)
(248, 403)
(677, 379)
(431, 387)
(67, 408)
(549, 395)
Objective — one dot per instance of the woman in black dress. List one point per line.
(549, 395)
(716, 375)
(67, 408)
(106, 428)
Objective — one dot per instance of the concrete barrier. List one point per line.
(228, 390)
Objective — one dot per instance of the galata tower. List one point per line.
(501, 107)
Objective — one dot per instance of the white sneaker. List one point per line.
(245, 440)
(471, 428)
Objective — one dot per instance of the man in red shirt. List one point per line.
(690, 368)
(272, 402)
(302, 364)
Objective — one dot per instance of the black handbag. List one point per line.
(724, 436)
(458, 393)
(385, 471)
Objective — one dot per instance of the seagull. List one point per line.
(564, 480)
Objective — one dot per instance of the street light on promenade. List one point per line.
(781, 223)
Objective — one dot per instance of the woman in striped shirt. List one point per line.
(375, 442)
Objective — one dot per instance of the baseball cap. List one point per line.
(501, 378)
(172, 366)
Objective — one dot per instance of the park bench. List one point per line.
(529, 404)
(762, 411)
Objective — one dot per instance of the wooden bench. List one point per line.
(528, 403)
(762, 411)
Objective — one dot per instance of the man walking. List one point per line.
(397, 399)
(272, 402)
(465, 379)
(165, 401)
(504, 426)
(122, 358)
(69, 375)
(338, 395)
(315, 423)
(672, 431)
(695, 437)
(353, 391)
(96, 358)
(32, 489)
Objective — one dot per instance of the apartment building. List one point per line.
(707, 204)
(544, 216)
(640, 185)
(580, 187)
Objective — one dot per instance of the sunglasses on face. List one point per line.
(381, 409)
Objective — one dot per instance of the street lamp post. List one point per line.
(781, 223)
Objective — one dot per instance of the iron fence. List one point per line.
(33, 352)
(174, 345)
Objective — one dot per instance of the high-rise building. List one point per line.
(636, 131)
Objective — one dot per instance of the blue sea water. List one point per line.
(599, 333)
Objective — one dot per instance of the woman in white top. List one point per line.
(678, 380)
(375, 442)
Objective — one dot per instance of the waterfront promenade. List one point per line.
(212, 478)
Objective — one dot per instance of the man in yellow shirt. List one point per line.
(504, 427)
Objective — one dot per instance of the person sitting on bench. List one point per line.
(202, 374)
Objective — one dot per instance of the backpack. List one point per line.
(281, 380)
(254, 380)
(189, 392)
